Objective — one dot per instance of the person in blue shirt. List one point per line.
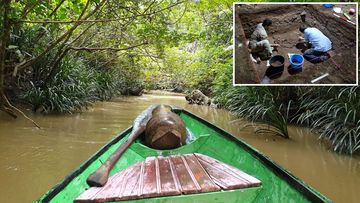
(318, 44)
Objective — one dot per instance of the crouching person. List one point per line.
(259, 44)
(317, 43)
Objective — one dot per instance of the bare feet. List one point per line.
(266, 80)
(324, 57)
(252, 59)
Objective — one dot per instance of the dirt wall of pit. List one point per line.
(245, 72)
(284, 17)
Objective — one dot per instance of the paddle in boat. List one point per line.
(171, 155)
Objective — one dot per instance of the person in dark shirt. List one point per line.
(259, 43)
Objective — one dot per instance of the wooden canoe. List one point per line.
(277, 185)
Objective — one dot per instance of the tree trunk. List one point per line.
(4, 41)
(5, 37)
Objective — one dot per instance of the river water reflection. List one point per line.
(33, 160)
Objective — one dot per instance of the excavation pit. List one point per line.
(286, 20)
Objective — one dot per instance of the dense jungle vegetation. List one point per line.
(62, 55)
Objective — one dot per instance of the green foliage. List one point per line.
(188, 46)
(69, 91)
(222, 86)
(335, 115)
(64, 80)
(107, 85)
(333, 112)
(262, 105)
(168, 27)
(201, 56)
(75, 87)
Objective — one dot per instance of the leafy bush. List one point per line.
(262, 105)
(76, 86)
(335, 115)
(333, 112)
(71, 90)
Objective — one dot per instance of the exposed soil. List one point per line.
(246, 73)
(276, 64)
(285, 31)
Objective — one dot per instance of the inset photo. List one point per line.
(312, 44)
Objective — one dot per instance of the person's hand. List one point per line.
(301, 38)
(275, 45)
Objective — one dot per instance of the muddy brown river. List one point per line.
(33, 160)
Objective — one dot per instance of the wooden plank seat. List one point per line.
(168, 176)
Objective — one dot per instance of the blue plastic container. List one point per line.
(328, 5)
(296, 61)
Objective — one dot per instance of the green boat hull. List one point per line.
(278, 185)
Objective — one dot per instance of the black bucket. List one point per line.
(277, 61)
(276, 67)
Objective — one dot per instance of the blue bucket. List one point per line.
(328, 5)
(296, 61)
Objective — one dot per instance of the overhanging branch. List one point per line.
(100, 20)
(63, 36)
(70, 21)
(91, 49)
